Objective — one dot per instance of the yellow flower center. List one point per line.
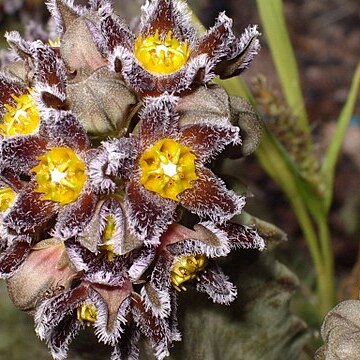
(168, 168)
(60, 175)
(161, 56)
(185, 269)
(55, 43)
(7, 197)
(108, 246)
(87, 313)
(22, 118)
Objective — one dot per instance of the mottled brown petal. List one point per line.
(19, 153)
(49, 68)
(215, 283)
(148, 213)
(74, 217)
(157, 119)
(207, 140)
(9, 86)
(14, 257)
(167, 15)
(209, 197)
(29, 213)
(115, 32)
(63, 129)
(216, 41)
(242, 236)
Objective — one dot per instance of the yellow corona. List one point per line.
(60, 175)
(55, 43)
(7, 197)
(22, 118)
(186, 268)
(168, 168)
(108, 246)
(161, 55)
(87, 314)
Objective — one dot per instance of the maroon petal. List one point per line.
(14, 256)
(50, 74)
(73, 218)
(156, 294)
(53, 311)
(157, 331)
(240, 54)
(29, 213)
(156, 119)
(209, 197)
(19, 153)
(61, 336)
(215, 283)
(148, 213)
(113, 31)
(165, 16)
(242, 236)
(9, 86)
(216, 41)
(207, 139)
(63, 129)
(126, 348)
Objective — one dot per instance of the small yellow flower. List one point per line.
(161, 56)
(7, 197)
(168, 168)
(87, 314)
(22, 118)
(185, 269)
(108, 245)
(60, 175)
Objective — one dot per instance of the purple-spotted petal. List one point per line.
(29, 213)
(216, 41)
(126, 347)
(50, 75)
(60, 337)
(14, 256)
(113, 32)
(165, 16)
(113, 159)
(19, 153)
(207, 140)
(74, 217)
(209, 197)
(216, 284)
(63, 129)
(156, 294)
(156, 330)
(242, 236)
(53, 311)
(142, 258)
(241, 53)
(148, 213)
(157, 119)
(9, 86)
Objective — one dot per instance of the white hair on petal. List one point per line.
(221, 290)
(101, 322)
(76, 259)
(163, 308)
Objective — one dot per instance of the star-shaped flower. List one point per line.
(168, 54)
(168, 170)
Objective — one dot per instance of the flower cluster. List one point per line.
(110, 204)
